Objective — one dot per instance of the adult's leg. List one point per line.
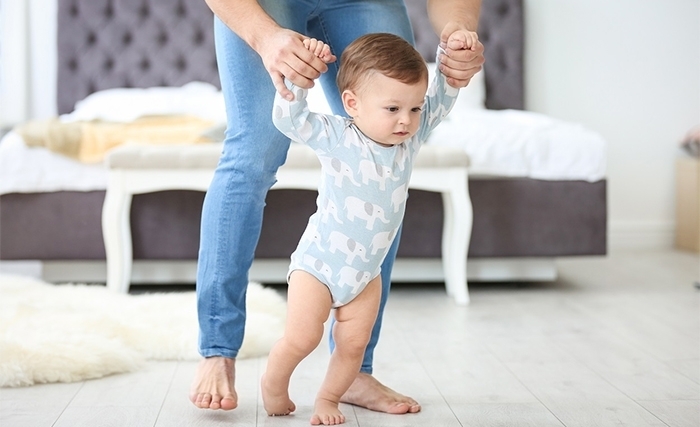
(331, 24)
(233, 207)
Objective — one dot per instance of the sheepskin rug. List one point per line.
(64, 333)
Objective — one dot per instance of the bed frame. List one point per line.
(520, 225)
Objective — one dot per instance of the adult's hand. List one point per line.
(284, 55)
(459, 63)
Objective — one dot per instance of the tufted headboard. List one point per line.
(104, 44)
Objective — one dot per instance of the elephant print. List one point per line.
(319, 266)
(398, 197)
(375, 172)
(340, 242)
(355, 207)
(303, 129)
(402, 157)
(329, 208)
(382, 241)
(350, 140)
(356, 279)
(312, 235)
(338, 169)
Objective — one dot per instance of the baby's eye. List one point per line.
(417, 109)
(393, 109)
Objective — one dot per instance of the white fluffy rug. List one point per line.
(63, 333)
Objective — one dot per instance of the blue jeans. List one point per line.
(253, 151)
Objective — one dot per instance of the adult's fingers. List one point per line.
(278, 82)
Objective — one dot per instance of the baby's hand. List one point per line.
(463, 40)
(320, 49)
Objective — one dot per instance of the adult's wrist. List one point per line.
(257, 31)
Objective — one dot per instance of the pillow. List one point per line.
(471, 97)
(122, 105)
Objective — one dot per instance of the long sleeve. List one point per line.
(296, 121)
(440, 99)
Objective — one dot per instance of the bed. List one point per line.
(529, 207)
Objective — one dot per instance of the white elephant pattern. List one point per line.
(318, 266)
(312, 235)
(398, 197)
(338, 169)
(355, 279)
(369, 212)
(347, 245)
(382, 241)
(327, 209)
(372, 171)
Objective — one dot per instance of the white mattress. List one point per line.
(506, 143)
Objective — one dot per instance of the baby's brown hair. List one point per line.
(385, 53)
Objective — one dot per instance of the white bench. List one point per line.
(137, 169)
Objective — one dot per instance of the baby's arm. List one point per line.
(439, 100)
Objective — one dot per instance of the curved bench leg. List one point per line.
(456, 235)
(116, 232)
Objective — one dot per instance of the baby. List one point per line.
(366, 165)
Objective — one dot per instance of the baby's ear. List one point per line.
(349, 102)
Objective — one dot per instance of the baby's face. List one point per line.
(388, 110)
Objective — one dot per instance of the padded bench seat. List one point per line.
(137, 169)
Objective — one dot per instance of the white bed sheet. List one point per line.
(513, 143)
(26, 169)
(506, 143)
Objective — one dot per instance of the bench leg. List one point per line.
(456, 234)
(116, 231)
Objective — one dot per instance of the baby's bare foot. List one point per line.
(213, 385)
(276, 402)
(326, 413)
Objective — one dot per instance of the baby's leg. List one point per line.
(351, 331)
(308, 305)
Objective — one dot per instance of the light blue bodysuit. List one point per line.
(363, 190)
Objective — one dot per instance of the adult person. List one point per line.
(258, 45)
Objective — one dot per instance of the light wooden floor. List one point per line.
(614, 342)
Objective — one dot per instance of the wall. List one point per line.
(27, 59)
(629, 69)
(14, 105)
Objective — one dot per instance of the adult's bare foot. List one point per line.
(213, 384)
(369, 393)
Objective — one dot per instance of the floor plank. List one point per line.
(675, 413)
(506, 415)
(39, 405)
(178, 411)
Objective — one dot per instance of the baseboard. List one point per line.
(275, 270)
(641, 235)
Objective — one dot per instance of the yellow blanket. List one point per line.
(90, 141)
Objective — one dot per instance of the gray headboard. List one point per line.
(104, 44)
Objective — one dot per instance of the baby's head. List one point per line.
(383, 80)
